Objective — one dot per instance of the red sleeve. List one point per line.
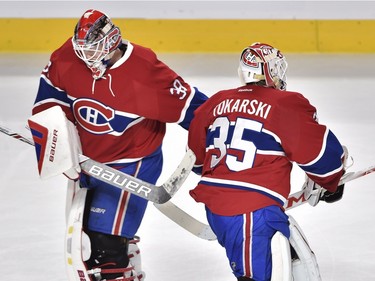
(166, 93)
(300, 134)
(197, 134)
(51, 91)
(311, 145)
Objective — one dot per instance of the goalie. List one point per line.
(119, 96)
(245, 140)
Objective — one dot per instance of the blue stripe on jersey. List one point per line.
(47, 91)
(243, 186)
(198, 169)
(328, 162)
(261, 140)
(197, 100)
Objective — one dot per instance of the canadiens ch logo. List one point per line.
(249, 59)
(93, 116)
(98, 118)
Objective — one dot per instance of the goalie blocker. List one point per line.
(57, 144)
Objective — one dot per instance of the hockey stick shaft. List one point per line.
(113, 177)
(298, 198)
(186, 221)
(16, 135)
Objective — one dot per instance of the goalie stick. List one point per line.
(204, 231)
(186, 221)
(157, 194)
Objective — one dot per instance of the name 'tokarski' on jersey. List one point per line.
(251, 107)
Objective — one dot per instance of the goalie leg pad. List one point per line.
(91, 249)
(75, 238)
(281, 258)
(304, 263)
(71, 190)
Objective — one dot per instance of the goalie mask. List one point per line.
(262, 62)
(95, 40)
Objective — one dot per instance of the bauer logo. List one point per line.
(52, 150)
(118, 180)
(97, 210)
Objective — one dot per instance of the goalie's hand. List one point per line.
(331, 197)
(315, 193)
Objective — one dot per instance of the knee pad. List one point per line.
(304, 264)
(109, 256)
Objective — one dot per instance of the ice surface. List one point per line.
(32, 219)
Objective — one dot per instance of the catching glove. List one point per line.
(315, 193)
(331, 197)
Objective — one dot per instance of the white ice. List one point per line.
(32, 215)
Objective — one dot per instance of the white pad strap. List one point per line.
(305, 267)
(56, 142)
(281, 260)
(135, 261)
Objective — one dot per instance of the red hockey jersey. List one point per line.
(120, 117)
(246, 140)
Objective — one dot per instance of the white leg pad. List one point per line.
(77, 245)
(281, 258)
(305, 267)
(72, 188)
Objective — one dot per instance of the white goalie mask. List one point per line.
(263, 62)
(95, 40)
